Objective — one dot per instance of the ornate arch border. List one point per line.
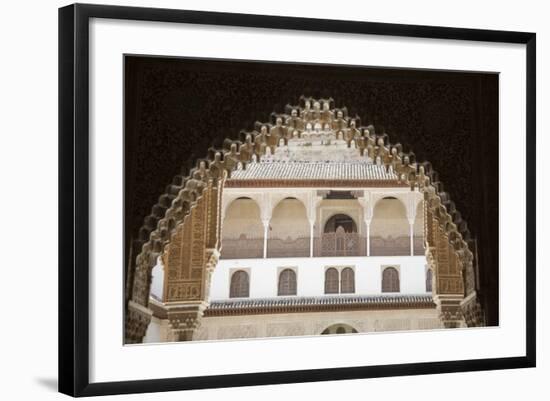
(189, 212)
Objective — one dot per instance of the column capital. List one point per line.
(266, 207)
(472, 311)
(184, 319)
(450, 310)
(367, 210)
(311, 205)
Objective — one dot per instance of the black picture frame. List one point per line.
(74, 198)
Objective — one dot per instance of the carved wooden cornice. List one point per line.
(376, 303)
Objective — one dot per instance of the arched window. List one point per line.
(390, 280)
(331, 281)
(348, 281)
(429, 280)
(340, 220)
(339, 329)
(240, 285)
(287, 282)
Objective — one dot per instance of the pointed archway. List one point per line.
(184, 227)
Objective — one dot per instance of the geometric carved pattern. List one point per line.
(429, 277)
(190, 210)
(185, 257)
(137, 320)
(473, 313)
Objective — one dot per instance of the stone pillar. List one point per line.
(311, 209)
(450, 310)
(411, 234)
(266, 211)
(266, 232)
(412, 201)
(184, 319)
(311, 236)
(367, 204)
(411, 216)
(367, 223)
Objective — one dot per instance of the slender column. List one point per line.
(311, 233)
(411, 233)
(367, 217)
(312, 200)
(266, 232)
(367, 222)
(266, 213)
(411, 215)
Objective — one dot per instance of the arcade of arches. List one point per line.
(312, 224)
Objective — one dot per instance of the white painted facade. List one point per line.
(310, 274)
(333, 201)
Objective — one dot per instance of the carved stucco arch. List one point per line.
(189, 213)
(229, 201)
(276, 201)
(410, 203)
(337, 212)
(378, 198)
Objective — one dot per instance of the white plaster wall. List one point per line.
(390, 219)
(310, 274)
(243, 217)
(153, 331)
(157, 282)
(158, 331)
(289, 219)
(419, 219)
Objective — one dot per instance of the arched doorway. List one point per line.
(340, 220)
(339, 328)
(340, 237)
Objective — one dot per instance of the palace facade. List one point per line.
(320, 233)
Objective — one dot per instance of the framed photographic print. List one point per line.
(250, 199)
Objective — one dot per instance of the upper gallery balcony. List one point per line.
(339, 225)
(329, 244)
